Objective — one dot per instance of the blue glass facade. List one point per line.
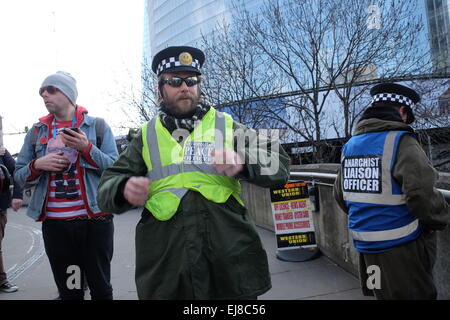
(438, 18)
(182, 22)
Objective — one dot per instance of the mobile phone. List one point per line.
(69, 130)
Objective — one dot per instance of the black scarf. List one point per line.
(171, 123)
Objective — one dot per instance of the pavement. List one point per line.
(28, 267)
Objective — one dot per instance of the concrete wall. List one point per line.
(331, 226)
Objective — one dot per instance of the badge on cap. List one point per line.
(185, 58)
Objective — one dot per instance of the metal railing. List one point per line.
(332, 176)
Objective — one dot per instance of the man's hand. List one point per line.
(227, 162)
(2, 151)
(53, 162)
(16, 204)
(77, 140)
(136, 190)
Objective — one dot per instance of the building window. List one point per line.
(444, 103)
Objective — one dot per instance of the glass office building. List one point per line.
(182, 22)
(438, 18)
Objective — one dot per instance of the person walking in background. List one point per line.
(195, 239)
(6, 201)
(386, 185)
(64, 155)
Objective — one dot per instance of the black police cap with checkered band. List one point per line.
(177, 59)
(393, 92)
(397, 95)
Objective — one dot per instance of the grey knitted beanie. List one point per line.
(65, 83)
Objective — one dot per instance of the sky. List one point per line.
(98, 41)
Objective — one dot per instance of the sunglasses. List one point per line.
(177, 81)
(49, 89)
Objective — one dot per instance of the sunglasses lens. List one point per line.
(50, 90)
(191, 81)
(175, 82)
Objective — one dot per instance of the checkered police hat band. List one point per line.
(392, 97)
(174, 62)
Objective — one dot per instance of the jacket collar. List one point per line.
(377, 125)
(80, 116)
(381, 118)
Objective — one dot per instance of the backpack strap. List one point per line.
(99, 131)
(34, 136)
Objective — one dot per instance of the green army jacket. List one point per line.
(207, 250)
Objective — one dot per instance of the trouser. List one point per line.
(405, 271)
(80, 249)
(3, 220)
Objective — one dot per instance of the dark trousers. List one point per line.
(406, 271)
(81, 248)
(3, 220)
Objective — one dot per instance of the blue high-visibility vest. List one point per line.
(378, 218)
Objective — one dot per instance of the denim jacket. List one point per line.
(103, 158)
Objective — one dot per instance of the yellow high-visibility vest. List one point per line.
(176, 168)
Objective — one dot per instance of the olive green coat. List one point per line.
(207, 250)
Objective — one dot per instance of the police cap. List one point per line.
(176, 59)
(397, 95)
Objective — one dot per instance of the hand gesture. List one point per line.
(76, 140)
(136, 190)
(16, 204)
(227, 162)
(2, 151)
(53, 162)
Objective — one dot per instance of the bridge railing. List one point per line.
(332, 176)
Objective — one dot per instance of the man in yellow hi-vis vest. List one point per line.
(195, 239)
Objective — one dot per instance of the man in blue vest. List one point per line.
(387, 187)
(195, 239)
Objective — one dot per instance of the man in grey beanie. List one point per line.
(65, 83)
(64, 155)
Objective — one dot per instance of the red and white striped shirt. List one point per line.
(64, 199)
